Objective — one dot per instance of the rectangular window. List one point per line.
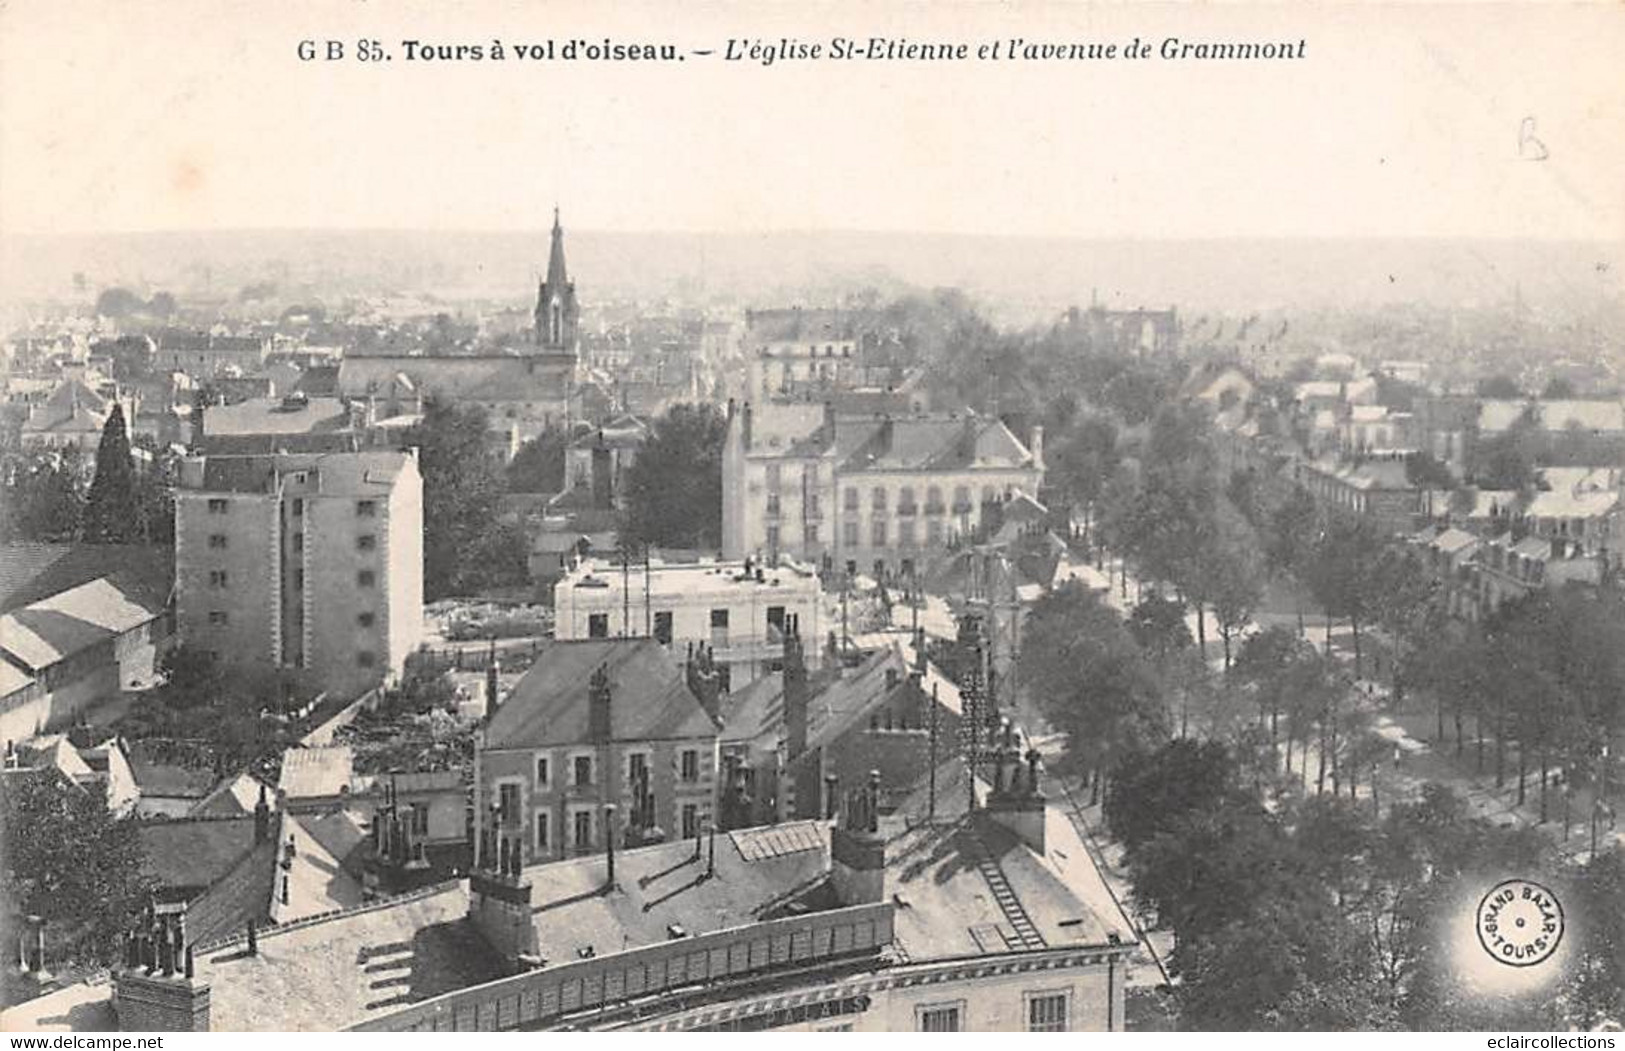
(365, 659)
(583, 771)
(691, 764)
(775, 619)
(849, 534)
(219, 616)
(218, 578)
(299, 541)
(849, 498)
(877, 533)
(298, 507)
(663, 627)
(905, 533)
(719, 618)
(812, 532)
(583, 830)
(366, 542)
(541, 832)
(939, 1018)
(365, 619)
(217, 540)
(691, 820)
(366, 508)
(598, 625)
(507, 804)
(877, 499)
(774, 477)
(218, 507)
(1046, 1013)
(366, 578)
(541, 771)
(420, 819)
(299, 580)
(933, 532)
(772, 505)
(773, 537)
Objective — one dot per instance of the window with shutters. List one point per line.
(939, 1018)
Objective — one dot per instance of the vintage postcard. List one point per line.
(840, 516)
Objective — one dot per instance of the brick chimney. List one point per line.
(157, 989)
(1015, 801)
(857, 854)
(262, 817)
(795, 698)
(703, 679)
(492, 670)
(598, 706)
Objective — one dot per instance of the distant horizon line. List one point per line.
(544, 231)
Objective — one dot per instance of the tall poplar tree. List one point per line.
(112, 515)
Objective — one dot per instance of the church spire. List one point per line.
(557, 312)
(557, 278)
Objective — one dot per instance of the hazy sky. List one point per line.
(142, 115)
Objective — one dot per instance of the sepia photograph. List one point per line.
(838, 516)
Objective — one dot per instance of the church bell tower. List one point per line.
(557, 312)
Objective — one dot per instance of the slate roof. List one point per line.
(926, 443)
(191, 854)
(650, 699)
(331, 974)
(30, 572)
(42, 633)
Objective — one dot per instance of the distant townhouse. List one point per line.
(794, 351)
(887, 495)
(741, 612)
(204, 354)
(73, 415)
(1378, 489)
(603, 740)
(310, 562)
(293, 423)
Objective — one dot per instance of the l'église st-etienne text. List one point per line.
(767, 51)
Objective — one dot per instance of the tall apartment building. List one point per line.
(303, 561)
(876, 493)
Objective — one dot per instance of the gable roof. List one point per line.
(649, 698)
(52, 629)
(926, 443)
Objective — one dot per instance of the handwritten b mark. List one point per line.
(1530, 148)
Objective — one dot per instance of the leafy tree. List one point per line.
(117, 303)
(1426, 471)
(44, 496)
(674, 487)
(111, 512)
(1508, 460)
(462, 485)
(162, 305)
(538, 467)
(1083, 460)
(1158, 625)
(1339, 576)
(1498, 386)
(1088, 678)
(1290, 539)
(1151, 793)
(1233, 576)
(70, 861)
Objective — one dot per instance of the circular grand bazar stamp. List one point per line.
(1519, 922)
